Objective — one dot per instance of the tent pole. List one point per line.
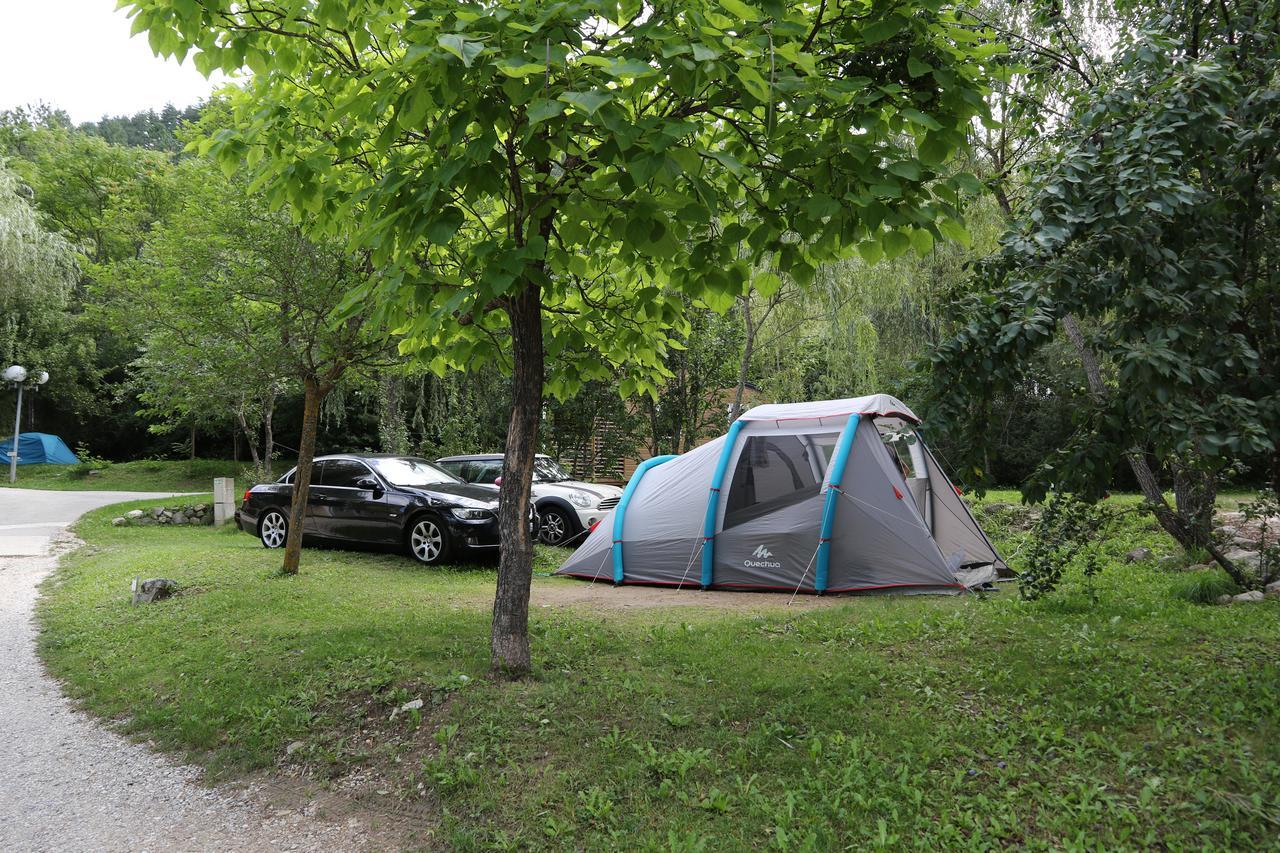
(843, 446)
(620, 511)
(713, 504)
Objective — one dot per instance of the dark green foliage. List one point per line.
(1153, 224)
(1068, 533)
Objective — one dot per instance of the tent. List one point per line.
(38, 448)
(821, 497)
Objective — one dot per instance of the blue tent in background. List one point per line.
(38, 448)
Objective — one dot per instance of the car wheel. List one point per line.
(429, 541)
(554, 526)
(274, 529)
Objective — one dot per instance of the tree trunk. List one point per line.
(313, 396)
(1192, 531)
(745, 364)
(268, 435)
(1195, 491)
(193, 442)
(509, 641)
(250, 439)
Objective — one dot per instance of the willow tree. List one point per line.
(549, 181)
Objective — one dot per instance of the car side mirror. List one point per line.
(369, 484)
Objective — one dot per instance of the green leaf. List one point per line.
(741, 11)
(445, 224)
(542, 109)
(871, 251)
(921, 240)
(587, 102)
(767, 283)
(755, 84)
(917, 68)
(916, 117)
(462, 47)
(881, 30)
(517, 68)
(953, 230)
(905, 169)
(895, 243)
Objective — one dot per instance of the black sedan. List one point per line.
(377, 500)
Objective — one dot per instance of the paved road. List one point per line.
(66, 783)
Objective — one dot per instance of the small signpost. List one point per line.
(224, 500)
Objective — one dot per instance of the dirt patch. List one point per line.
(579, 594)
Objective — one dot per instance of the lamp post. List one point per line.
(17, 377)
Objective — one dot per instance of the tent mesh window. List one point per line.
(776, 471)
(898, 441)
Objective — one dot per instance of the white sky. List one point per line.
(77, 55)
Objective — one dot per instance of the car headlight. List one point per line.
(471, 514)
(578, 499)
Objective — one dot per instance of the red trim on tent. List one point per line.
(727, 586)
(897, 494)
(957, 488)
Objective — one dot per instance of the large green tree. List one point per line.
(37, 273)
(225, 285)
(1155, 222)
(550, 181)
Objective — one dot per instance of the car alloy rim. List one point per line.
(552, 527)
(426, 541)
(273, 530)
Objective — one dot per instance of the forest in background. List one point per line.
(105, 199)
(107, 187)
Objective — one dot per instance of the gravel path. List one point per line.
(67, 783)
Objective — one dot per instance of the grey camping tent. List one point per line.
(833, 496)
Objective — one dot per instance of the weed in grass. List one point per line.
(1203, 587)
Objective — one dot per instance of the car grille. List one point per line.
(608, 503)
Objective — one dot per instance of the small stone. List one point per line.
(134, 513)
(201, 507)
(1273, 588)
(153, 589)
(156, 512)
(294, 747)
(119, 522)
(1169, 562)
(1247, 597)
(1241, 557)
(146, 520)
(179, 518)
(1224, 599)
(1138, 555)
(411, 705)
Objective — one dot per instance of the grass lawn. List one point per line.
(147, 475)
(1117, 715)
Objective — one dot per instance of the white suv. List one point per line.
(566, 507)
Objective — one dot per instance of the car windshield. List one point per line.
(412, 472)
(547, 470)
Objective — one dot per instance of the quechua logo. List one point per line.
(763, 559)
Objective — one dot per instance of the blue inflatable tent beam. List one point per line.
(713, 504)
(843, 445)
(619, 514)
